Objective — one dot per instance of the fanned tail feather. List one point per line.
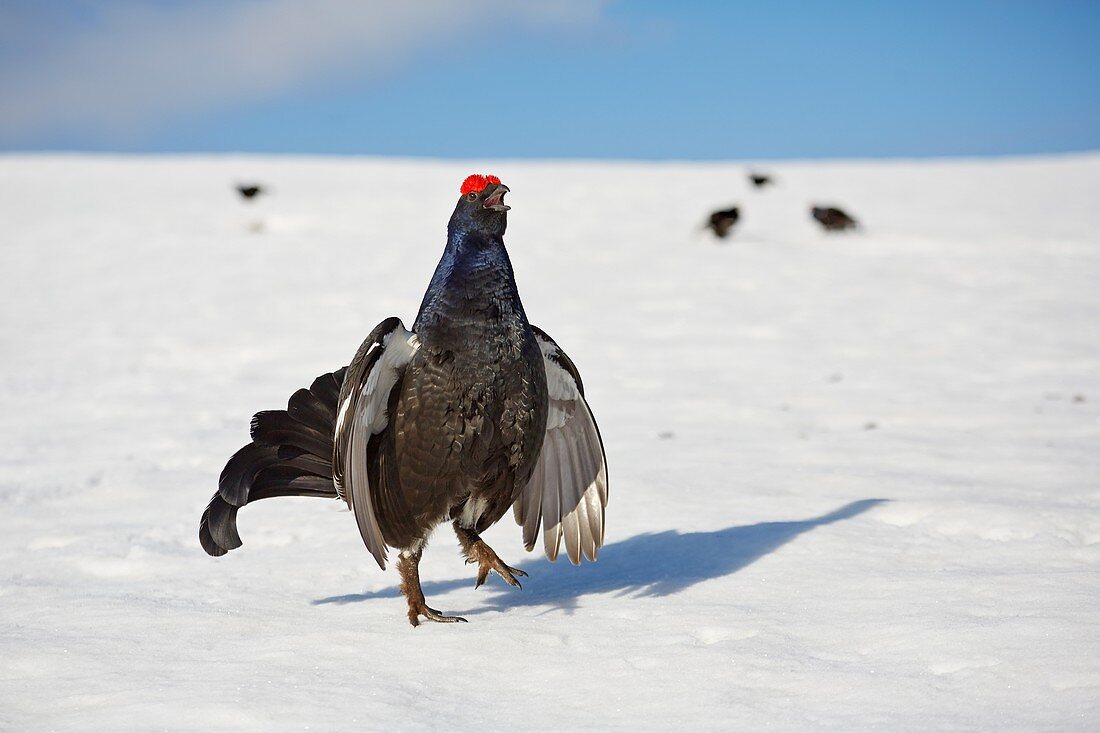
(290, 455)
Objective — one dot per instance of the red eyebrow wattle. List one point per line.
(478, 182)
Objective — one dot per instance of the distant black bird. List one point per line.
(721, 222)
(833, 219)
(760, 180)
(250, 192)
(472, 412)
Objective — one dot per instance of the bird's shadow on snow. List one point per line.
(652, 564)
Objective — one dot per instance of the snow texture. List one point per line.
(854, 477)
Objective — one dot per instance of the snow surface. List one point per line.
(854, 478)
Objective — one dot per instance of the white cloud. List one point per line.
(132, 64)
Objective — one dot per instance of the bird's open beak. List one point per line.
(495, 200)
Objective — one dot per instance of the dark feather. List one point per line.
(205, 538)
(327, 388)
(240, 470)
(218, 528)
(276, 480)
(307, 408)
(307, 462)
(398, 524)
(276, 427)
(291, 455)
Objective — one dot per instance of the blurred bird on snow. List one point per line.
(722, 221)
(833, 219)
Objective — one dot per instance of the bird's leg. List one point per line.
(475, 550)
(408, 565)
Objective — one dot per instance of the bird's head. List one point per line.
(481, 206)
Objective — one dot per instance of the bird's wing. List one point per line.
(567, 491)
(361, 412)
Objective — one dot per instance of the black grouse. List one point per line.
(833, 219)
(472, 412)
(760, 180)
(249, 191)
(721, 222)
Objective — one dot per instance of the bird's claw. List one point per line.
(505, 571)
(431, 614)
(477, 551)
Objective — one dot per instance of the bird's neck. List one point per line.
(473, 285)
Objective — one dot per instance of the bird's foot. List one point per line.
(416, 610)
(408, 565)
(487, 560)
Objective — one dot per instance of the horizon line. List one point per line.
(929, 157)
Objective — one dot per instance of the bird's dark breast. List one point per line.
(470, 417)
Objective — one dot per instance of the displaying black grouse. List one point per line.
(721, 222)
(472, 412)
(833, 219)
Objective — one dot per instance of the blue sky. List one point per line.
(556, 78)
